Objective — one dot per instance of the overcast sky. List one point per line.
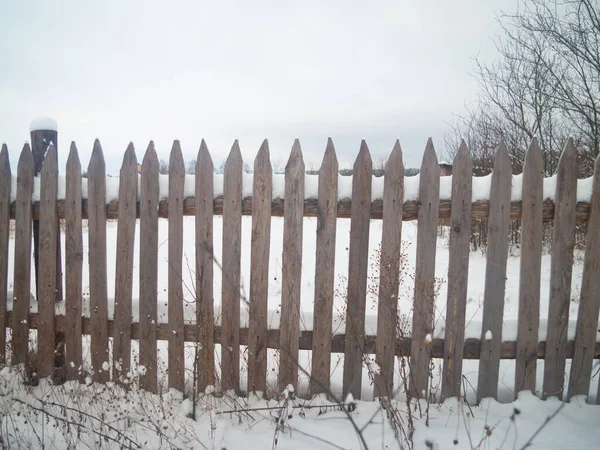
(126, 71)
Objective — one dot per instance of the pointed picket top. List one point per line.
(203, 159)
(394, 163)
(73, 159)
(296, 160)
(534, 155)
(363, 157)
(429, 156)
(263, 156)
(235, 155)
(4, 161)
(568, 155)
(502, 162)
(50, 165)
(150, 159)
(97, 157)
(176, 163)
(462, 154)
(129, 159)
(329, 158)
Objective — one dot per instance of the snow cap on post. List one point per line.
(43, 123)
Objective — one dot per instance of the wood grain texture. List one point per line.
(472, 347)
(149, 192)
(22, 266)
(561, 267)
(424, 293)
(128, 182)
(175, 307)
(357, 273)
(47, 254)
(531, 263)
(495, 275)
(324, 271)
(230, 268)
(73, 266)
(291, 269)
(97, 263)
(259, 271)
(204, 268)
(5, 182)
(458, 271)
(389, 269)
(589, 300)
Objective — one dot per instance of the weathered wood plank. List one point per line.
(47, 254)
(204, 268)
(175, 278)
(589, 300)
(357, 273)
(495, 276)
(389, 268)
(97, 263)
(5, 182)
(531, 263)
(471, 350)
(22, 266)
(561, 267)
(73, 266)
(128, 181)
(424, 293)
(458, 271)
(149, 192)
(259, 271)
(231, 267)
(291, 269)
(324, 271)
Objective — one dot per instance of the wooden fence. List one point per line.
(392, 210)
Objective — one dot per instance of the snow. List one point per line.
(43, 123)
(488, 335)
(481, 187)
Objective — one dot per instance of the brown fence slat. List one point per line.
(175, 307)
(204, 268)
(73, 266)
(231, 267)
(291, 269)
(324, 271)
(5, 182)
(589, 300)
(149, 192)
(97, 262)
(458, 271)
(531, 263)
(259, 270)
(389, 267)
(357, 273)
(563, 242)
(424, 294)
(128, 180)
(495, 275)
(22, 267)
(47, 280)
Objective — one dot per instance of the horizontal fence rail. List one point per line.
(389, 342)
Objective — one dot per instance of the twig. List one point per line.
(543, 425)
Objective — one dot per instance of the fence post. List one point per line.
(43, 132)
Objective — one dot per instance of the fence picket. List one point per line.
(204, 268)
(357, 273)
(5, 182)
(259, 270)
(149, 192)
(324, 271)
(531, 263)
(389, 267)
(495, 275)
(97, 262)
(73, 266)
(175, 308)
(458, 271)
(231, 267)
(128, 181)
(563, 242)
(47, 277)
(589, 300)
(291, 269)
(424, 294)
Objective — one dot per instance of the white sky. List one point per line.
(133, 71)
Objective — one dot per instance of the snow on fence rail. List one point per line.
(460, 210)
